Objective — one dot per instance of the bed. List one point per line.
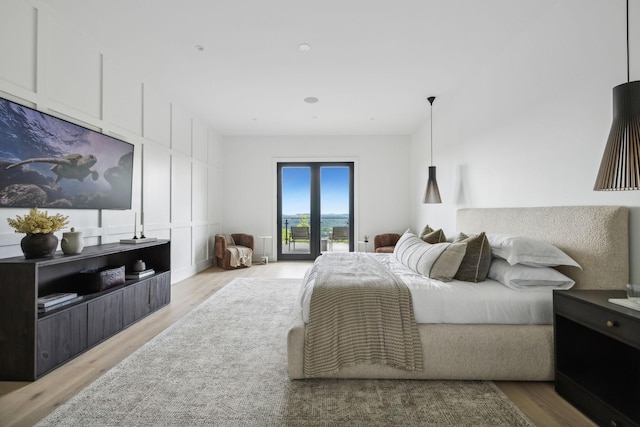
(596, 237)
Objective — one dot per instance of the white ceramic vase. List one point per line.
(72, 242)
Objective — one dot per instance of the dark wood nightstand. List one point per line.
(597, 349)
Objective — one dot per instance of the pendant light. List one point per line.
(432, 194)
(620, 166)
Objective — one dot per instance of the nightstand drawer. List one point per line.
(604, 321)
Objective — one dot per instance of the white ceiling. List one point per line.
(372, 63)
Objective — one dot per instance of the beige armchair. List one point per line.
(234, 250)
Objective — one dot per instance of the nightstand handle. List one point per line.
(611, 323)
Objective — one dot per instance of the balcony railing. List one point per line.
(326, 227)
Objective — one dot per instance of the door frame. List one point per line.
(315, 209)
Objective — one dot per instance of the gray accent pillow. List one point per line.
(430, 235)
(477, 259)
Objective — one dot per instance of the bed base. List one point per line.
(457, 352)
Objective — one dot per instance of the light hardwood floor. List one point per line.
(25, 403)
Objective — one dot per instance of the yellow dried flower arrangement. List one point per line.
(38, 222)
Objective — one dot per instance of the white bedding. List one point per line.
(460, 302)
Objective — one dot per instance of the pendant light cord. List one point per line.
(628, 74)
(431, 99)
(431, 139)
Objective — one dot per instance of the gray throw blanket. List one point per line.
(360, 313)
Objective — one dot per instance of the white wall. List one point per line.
(529, 127)
(49, 66)
(382, 196)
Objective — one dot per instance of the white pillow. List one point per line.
(523, 277)
(528, 251)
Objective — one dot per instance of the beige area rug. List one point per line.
(224, 364)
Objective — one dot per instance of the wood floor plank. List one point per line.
(540, 402)
(25, 403)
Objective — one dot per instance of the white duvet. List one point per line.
(460, 302)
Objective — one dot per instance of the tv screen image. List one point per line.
(47, 162)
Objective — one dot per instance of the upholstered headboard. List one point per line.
(597, 237)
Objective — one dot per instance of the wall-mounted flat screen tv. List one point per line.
(47, 162)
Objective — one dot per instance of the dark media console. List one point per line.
(33, 343)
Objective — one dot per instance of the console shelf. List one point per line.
(33, 343)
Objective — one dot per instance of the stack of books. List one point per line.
(57, 300)
(140, 274)
(137, 240)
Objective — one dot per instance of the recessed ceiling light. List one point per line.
(311, 100)
(304, 47)
(199, 47)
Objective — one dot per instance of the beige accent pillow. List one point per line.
(448, 262)
(477, 259)
(432, 236)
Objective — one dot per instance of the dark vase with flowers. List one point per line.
(39, 245)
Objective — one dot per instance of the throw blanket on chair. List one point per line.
(359, 313)
(240, 255)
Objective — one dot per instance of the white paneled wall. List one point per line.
(181, 257)
(180, 130)
(73, 70)
(180, 189)
(200, 143)
(200, 240)
(214, 183)
(178, 165)
(156, 122)
(199, 186)
(18, 39)
(157, 186)
(124, 95)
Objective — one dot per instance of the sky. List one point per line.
(334, 189)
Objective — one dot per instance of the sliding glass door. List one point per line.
(315, 209)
